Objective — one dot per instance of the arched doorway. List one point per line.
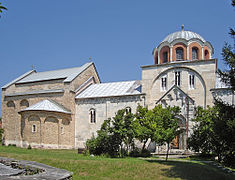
(180, 141)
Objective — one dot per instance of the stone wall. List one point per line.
(204, 71)
(12, 104)
(105, 108)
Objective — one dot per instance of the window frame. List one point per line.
(92, 114)
(191, 80)
(34, 128)
(163, 83)
(178, 54)
(177, 78)
(194, 53)
(165, 57)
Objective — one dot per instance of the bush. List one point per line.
(1, 133)
(138, 153)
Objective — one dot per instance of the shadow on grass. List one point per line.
(192, 170)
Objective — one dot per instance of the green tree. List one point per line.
(115, 137)
(2, 8)
(166, 124)
(142, 126)
(228, 53)
(213, 132)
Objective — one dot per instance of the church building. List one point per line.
(63, 108)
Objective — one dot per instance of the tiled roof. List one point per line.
(111, 89)
(187, 35)
(17, 79)
(67, 74)
(47, 105)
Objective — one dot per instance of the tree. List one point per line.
(165, 122)
(228, 53)
(213, 132)
(2, 8)
(115, 137)
(142, 124)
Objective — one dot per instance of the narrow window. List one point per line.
(179, 54)
(34, 129)
(177, 78)
(92, 116)
(206, 56)
(62, 130)
(163, 83)
(165, 57)
(128, 110)
(194, 53)
(191, 81)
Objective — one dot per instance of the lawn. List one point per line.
(86, 167)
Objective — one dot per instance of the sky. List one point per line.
(118, 35)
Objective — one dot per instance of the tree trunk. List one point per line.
(144, 145)
(168, 147)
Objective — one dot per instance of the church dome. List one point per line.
(181, 46)
(187, 35)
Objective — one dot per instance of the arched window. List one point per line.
(92, 116)
(24, 102)
(206, 55)
(165, 57)
(10, 104)
(179, 54)
(128, 110)
(194, 53)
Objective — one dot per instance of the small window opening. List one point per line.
(191, 81)
(92, 116)
(165, 57)
(164, 83)
(194, 53)
(177, 78)
(179, 54)
(128, 110)
(34, 128)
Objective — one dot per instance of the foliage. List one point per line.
(166, 125)
(228, 53)
(116, 136)
(1, 134)
(2, 8)
(214, 131)
(143, 126)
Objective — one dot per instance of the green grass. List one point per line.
(85, 167)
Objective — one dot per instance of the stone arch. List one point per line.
(195, 45)
(183, 68)
(51, 131)
(33, 121)
(180, 141)
(165, 49)
(11, 104)
(24, 103)
(182, 46)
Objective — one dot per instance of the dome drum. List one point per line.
(182, 45)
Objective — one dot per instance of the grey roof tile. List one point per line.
(111, 89)
(19, 78)
(67, 74)
(47, 105)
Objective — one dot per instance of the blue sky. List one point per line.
(119, 35)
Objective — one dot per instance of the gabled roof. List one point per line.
(111, 89)
(47, 105)
(176, 87)
(19, 78)
(67, 74)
